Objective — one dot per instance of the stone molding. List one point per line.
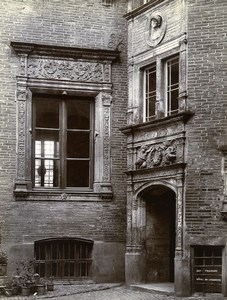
(98, 55)
(171, 176)
(77, 71)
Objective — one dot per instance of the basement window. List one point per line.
(64, 258)
(207, 269)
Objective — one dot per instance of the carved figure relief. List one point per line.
(157, 155)
(69, 70)
(156, 28)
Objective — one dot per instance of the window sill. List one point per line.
(157, 123)
(61, 195)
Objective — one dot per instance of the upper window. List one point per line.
(62, 141)
(150, 92)
(165, 82)
(171, 85)
(133, 4)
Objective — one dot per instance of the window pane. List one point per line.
(174, 71)
(172, 85)
(150, 92)
(47, 173)
(78, 144)
(78, 173)
(47, 112)
(47, 169)
(47, 143)
(78, 114)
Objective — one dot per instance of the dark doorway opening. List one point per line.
(160, 234)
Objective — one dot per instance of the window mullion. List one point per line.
(63, 141)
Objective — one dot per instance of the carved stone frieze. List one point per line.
(68, 70)
(157, 155)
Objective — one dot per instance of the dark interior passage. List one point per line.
(160, 234)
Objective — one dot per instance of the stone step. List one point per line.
(155, 288)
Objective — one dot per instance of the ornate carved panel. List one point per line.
(68, 70)
(153, 155)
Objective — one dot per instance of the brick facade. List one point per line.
(196, 31)
(177, 158)
(84, 24)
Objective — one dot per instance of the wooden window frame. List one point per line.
(62, 100)
(146, 116)
(168, 88)
(162, 84)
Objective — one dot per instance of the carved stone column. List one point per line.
(102, 143)
(135, 258)
(183, 94)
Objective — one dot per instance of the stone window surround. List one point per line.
(75, 71)
(136, 107)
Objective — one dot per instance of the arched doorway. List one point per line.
(160, 233)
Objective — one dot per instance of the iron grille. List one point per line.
(64, 259)
(208, 269)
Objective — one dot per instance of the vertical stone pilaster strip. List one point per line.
(179, 229)
(106, 101)
(21, 143)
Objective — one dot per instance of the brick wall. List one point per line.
(78, 23)
(206, 67)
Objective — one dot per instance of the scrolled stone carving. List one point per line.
(116, 41)
(157, 155)
(156, 28)
(67, 70)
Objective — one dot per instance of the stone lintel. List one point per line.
(62, 51)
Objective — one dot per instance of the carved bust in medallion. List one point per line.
(155, 31)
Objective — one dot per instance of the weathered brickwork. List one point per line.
(207, 130)
(84, 24)
(195, 30)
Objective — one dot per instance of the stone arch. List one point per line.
(159, 205)
(149, 185)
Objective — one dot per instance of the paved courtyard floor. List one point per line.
(107, 292)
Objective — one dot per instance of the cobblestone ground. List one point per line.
(106, 292)
(121, 293)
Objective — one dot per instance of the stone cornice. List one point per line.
(65, 52)
(142, 8)
(158, 123)
(180, 167)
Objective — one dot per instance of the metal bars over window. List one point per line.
(207, 269)
(63, 259)
(62, 142)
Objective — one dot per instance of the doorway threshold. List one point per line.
(164, 288)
